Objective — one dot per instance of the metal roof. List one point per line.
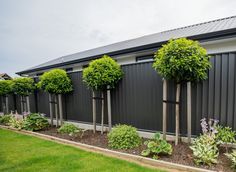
(219, 26)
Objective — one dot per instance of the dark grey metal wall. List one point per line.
(137, 99)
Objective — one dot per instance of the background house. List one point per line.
(4, 76)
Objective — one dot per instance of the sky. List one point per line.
(35, 31)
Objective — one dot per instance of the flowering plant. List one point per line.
(209, 127)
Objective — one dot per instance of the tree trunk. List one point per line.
(60, 109)
(189, 111)
(28, 104)
(94, 113)
(50, 108)
(164, 104)
(56, 110)
(7, 107)
(109, 107)
(102, 120)
(177, 114)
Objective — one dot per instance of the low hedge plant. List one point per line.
(35, 122)
(69, 129)
(123, 137)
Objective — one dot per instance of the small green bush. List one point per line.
(225, 134)
(232, 157)
(17, 123)
(35, 122)
(5, 119)
(102, 72)
(182, 60)
(123, 137)
(205, 150)
(156, 147)
(55, 81)
(23, 86)
(70, 129)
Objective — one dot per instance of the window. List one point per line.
(69, 69)
(145, 58)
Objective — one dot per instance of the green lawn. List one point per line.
(24, 153)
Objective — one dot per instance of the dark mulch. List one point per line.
(182, 154)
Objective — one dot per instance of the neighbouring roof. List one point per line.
(211, 29)
(5, 76)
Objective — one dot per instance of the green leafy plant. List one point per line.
(23, 86)
(102, 72)
(205, 150)
(123, 137)
(225, 134)
(35, 122)
(16, 122)
(4, 119)
(182, 60)
(5, 87)
(232, 157)
(157, 146)
(55, 81)
(70, 129)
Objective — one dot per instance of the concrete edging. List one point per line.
(143, 161)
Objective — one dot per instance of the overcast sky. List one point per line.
(35, 31)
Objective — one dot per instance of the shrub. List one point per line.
(35, 122)
(123, 137)
(225, 135)
(232, 157)
(205, 150)
(17, 123)
(102, 72)
(4, 119)
(23, 86)
(182, 60)
(156, 147)
(55, 81)
(5, 87)
(70, 129)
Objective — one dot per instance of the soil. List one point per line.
(181, 154)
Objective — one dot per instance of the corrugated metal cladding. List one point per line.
(137, 99)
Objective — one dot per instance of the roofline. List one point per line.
(202, 37)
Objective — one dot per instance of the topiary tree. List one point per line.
(182, 60)
(5, 90)
(55, 82)
(23, 87)
(102, 74)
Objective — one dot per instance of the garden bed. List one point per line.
(181, 153)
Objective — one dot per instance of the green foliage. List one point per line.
(23, 86)
(5, 87)
(35, 122)
(123, 137)
(70, 129)
(17, 123)
(182, 60)
(156, 147)
(4, 119)
(55, 81)
(205, 150)
(102, 72)
(225, 134)
(232, 157)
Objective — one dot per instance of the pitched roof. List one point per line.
(5, 76)
(202, 29)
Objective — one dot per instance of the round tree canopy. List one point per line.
(5, 87)
(23, 86)
(55, 81)
(101, 73)
(182, 60)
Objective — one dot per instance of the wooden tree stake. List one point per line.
(28, 104)
(164, 111)
(56, 110)
(177, 114)
(7, 107)
(94, 113)
(189, 109)
(21, 104)
(102, 120)
(109, 107)
(60, 109)
(50, 108)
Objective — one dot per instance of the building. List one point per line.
(4, 76)
(137, 99)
